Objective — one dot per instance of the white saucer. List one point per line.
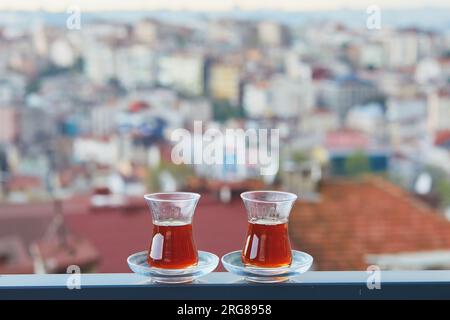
(301, 262)
(207, 262)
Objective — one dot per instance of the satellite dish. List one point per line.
(423, 184)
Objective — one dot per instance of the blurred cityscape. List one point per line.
(86, 117)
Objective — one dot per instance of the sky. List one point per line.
(214, 5)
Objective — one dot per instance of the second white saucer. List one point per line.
(301, 262)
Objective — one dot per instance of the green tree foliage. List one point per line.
(33, 86)
(443, 189)
(299, 157)
(78, 65)
(441, 184)
(223, 111)
(357, 164)
(180, 172)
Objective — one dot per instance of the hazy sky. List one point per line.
(219, 5)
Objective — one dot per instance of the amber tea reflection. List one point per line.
(267, 244)
(172, 245)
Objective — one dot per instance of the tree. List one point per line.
(356, 164)
(33, 86)
(223, 111)
(299, 157)
(181, 173)
(443, 189)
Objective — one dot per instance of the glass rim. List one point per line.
(290, 196)
(190, 196)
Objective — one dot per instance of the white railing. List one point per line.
(222, 285)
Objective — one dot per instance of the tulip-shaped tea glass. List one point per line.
(172, 245)
(267, 244)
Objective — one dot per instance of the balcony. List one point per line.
(223, 286)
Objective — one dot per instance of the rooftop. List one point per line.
(342, 230)
(115, 234)
(355, 219)
(442, 138)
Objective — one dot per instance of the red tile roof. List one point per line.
(56, 257)
(27, 227)
(352, 219)
(30, 223)
(14, 257)
(346, 139)
(137, 106)
(23, 182)
(115, 234)
(371, 216)
(442, 137)
(218, 228)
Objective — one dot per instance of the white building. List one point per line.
(438, 112)
(99, 61)
(103, 120)
(402, 49)
(280, 97)
(135, 66)
(12, 87)
(40, 39)
(196, 110)
(105, 152)
(367, 118)
(255, 100)
(270, 33)
(290, 98)
(8, 124)
(146, 31)
(131, 65)
(62, 54)
(224, 31)
(296, 68)
(319, 122)
(428, 71)
(182, 72)
(372, 55)
(346, 92)
(396, 84)
(407, 121)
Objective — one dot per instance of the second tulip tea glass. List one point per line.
(267, 244)
(172, 245)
